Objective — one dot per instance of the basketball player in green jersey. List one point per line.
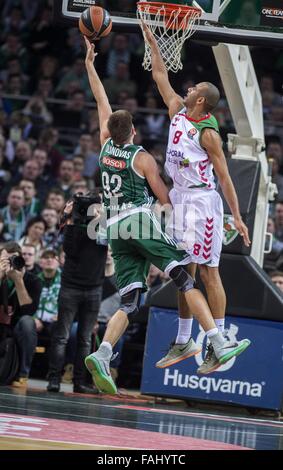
(130, 177)
(194, 149)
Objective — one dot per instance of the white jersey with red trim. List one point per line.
(187, 163)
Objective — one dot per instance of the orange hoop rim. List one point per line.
(154, 8)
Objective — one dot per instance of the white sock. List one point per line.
(212, 332)
(220, 323)
(184, 330)
(215, 338)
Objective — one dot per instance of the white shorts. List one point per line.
(197, 224)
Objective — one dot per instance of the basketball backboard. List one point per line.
(251, 22)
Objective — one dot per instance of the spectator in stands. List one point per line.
(32, 203)
(66, 177)
(131, 105)
(48, 68)
(267, 89)
(29, 8)
(119, 81)
(15, 86)
(107, 63)
(14, 23)
(79, 186)
(279, 220)
(48, 140)
(19, 297)
(13, 47)
(2, 239)
(28, 253)
(277, 278)
(44, 180)
(270, 259)
(50, 217)
(277, 178)
(75, 74)
(93, 124)
(14, 68)
(45, 88)
(80, 295)
(14, 215)
(38, 114)
(78, 161)
(34, 235)
(155, 124)
(274, 150)
(22, 154)
(30, 170)
(55, 200)
(43, 40)
(5, 174)
(90, 155)
(74, 47)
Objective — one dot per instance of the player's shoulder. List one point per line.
(210, 121)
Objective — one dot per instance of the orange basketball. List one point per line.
(95, 22)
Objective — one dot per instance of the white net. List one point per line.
(170, 30)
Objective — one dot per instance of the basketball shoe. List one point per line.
(177, 353)
(217, 356)
(98, 364)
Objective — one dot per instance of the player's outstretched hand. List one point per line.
(149, 37)
(243, 231)
(90, 53)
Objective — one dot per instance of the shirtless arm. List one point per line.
(103, 105)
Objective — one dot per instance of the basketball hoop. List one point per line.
(171, 25)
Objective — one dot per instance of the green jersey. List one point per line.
(123, 188)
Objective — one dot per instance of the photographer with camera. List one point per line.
(19, 298)
(80, 293)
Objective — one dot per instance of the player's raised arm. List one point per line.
(173, 101)
(103, 105)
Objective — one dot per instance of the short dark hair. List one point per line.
(11, 247)
(35, 220)
(49, 251)
(275, 274)
(56, 191)
(15, 188)
(120, 126)
(211, 95)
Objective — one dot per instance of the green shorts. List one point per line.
(137, 241)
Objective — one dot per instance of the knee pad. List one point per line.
(130, 303)
(182, 279)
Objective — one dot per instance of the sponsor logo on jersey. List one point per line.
(229, 230)
(175, 153)
(185, 163)
(119, 164)
(191, 133)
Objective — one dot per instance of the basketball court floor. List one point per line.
(38, 420)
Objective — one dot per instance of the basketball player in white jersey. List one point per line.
(194, 150)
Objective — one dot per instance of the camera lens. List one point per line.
(17, 262)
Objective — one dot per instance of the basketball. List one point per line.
(95, 22)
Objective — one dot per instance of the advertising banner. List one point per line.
(255, 378)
